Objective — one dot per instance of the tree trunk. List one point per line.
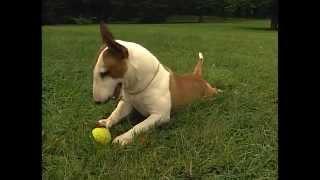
(274, 15)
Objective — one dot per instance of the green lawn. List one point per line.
(232, 136)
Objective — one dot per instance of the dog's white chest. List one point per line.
(156, 98)
(140, 105)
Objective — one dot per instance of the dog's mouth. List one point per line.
(117, 92)
(115, 96)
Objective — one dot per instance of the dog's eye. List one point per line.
(104, 74)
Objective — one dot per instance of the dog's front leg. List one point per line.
(152, 121)
(122, 110)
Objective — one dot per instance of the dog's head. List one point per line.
(110, 67)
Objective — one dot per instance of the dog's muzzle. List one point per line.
(115, 96)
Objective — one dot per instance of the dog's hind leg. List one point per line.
(122, 110)
(198, 68)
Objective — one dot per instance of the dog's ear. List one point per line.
(106, 35)
(114, 48)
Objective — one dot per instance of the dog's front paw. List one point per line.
(104, 123)
(122, 139)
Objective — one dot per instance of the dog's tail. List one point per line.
(198, 68)
(200, 56)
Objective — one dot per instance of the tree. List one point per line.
(274, 16)
(123, 10)
(203, 7)
(152, 11)
(53, 11)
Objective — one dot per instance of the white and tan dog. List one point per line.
(145, 84)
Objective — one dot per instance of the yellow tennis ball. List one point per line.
(101, 135)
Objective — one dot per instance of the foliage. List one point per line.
(60, 11)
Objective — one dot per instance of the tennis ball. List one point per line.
(101, 135)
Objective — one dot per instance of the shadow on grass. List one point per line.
(254, 28)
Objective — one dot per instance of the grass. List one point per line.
(231, 136)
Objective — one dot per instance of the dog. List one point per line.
(129, 70)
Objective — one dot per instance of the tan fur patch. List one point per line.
(198, 69)
(115, 49)
(116, 68)
(185, 89)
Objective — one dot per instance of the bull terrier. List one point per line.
(145, 85)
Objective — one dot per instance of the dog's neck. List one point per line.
(142, 67)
